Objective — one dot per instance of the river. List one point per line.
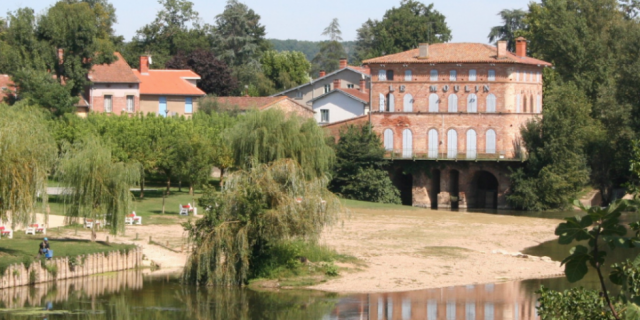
(132, 295)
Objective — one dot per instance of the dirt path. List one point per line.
(418, 249)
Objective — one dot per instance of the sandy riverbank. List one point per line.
(412, 249)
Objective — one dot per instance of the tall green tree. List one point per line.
(216, 76)
(286, 69)
(513, 22)
(331, 51)
(402, 29)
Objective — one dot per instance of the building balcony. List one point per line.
(511, 155)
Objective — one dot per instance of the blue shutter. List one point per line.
(188, 105)
(162, 108)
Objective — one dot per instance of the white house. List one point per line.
(339, 105)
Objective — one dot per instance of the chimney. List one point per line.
(60, 56)
(336, 84)
(521, 47)
(322, 73)
(424, 51)
(363, 85)
(343, 63)
(144, 65)
(502, 49)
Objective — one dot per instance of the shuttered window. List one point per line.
(472, 103)
(388, 140)
(407, 75)
(453, 75)
(518, 104)
(382, 103)
(407, 144)
(453, 103)
(434, 103)
(382, 75)
(408, 103)
(130, 104)
(188, 105)
(492, 75)
(472, 144)
(433, 143)
(391, 103)
(108, 104)
(490, 142)
(491, 103)
(452, 144)
(434, 75)
(472, 75)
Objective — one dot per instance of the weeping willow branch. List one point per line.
(27, 154)
(257, 207)
(96, 186)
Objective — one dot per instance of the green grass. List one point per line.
(355, 204)
(24, 249)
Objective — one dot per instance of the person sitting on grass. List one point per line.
(44, 248)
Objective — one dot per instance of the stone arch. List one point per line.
(404, 183)
(484, 187)
(434, 188)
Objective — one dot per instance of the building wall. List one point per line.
(340, 107)
(119, 93)
(175, 104)
(316, 89)
(292, 107)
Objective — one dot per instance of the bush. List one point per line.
(372, 185)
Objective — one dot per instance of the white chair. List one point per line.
(5, 231)
(133, 219)
(88, 223)
(185, 210)
(36, 228)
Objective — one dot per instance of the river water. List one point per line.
(132, 295)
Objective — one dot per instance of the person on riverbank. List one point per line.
(44, 248)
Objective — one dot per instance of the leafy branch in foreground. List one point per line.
(257, 209)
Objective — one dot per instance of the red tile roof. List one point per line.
(168, 82)
(457, 53)
(363, 69)
(364, 96)
(117, 72)
(247, 103)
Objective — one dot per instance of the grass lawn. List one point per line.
(355, 204)
(24, 248)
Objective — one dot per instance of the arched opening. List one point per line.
(404, 183)
(454, 188)
(486, 190)
(434, 188)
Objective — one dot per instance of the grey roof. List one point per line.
(321, 78)
(338, 91)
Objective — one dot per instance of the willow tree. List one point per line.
(263, 137)
(257, 208)
(96, 186)
(27, 154)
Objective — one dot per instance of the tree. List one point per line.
(402, 29)
(41, 89)
(358, 170)
(215, 75)
(27, 157)
(105, 16)
(513, 22)
(328, 58)
(556, 169)
(266, 136)
(257, 209)
(97, 187)
(286, 69)
(333, 31)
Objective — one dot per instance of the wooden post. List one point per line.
(163, 195)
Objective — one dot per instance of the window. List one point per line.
(407, 143)
(108, 104)
(434, 103)
(432, 310)
(382, 103)
(327, 88)
(518, 104)
(407, 75)
(130, 104)
(162, 106)
(453, 75)
(388, 140)
(324, 116)
(391, 103)
(434, 75)
(492, 75)
(472, 103)
(472, 75)
(351, 86)
(389, 75)
(408, 103)
(406, 309)
(453, 103)
(188, 105)
(490, 142)
(298, 94)
(471, 144)
(470, 311)
(491, 103)
(489, 313)
(451, 310)
(539, 104)
(433, 143)
(382, 75)
(452, 144)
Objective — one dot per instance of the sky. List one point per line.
(469, 20)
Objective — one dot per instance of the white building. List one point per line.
(339, 105)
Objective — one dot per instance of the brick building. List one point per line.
(455, 110)
(114, 89)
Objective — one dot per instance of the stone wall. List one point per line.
(19, 275)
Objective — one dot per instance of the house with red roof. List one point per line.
(340, 104)
(167, 92)
(284, 103)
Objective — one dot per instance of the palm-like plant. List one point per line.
(513, 21)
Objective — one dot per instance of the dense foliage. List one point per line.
(359, 167)
(513, 23)
(285, 69)
(215, 75)
(258, 208)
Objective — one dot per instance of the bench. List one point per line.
(5, 231)
(133, 219)
(89, 223)
(36, 228)
(185, 210)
